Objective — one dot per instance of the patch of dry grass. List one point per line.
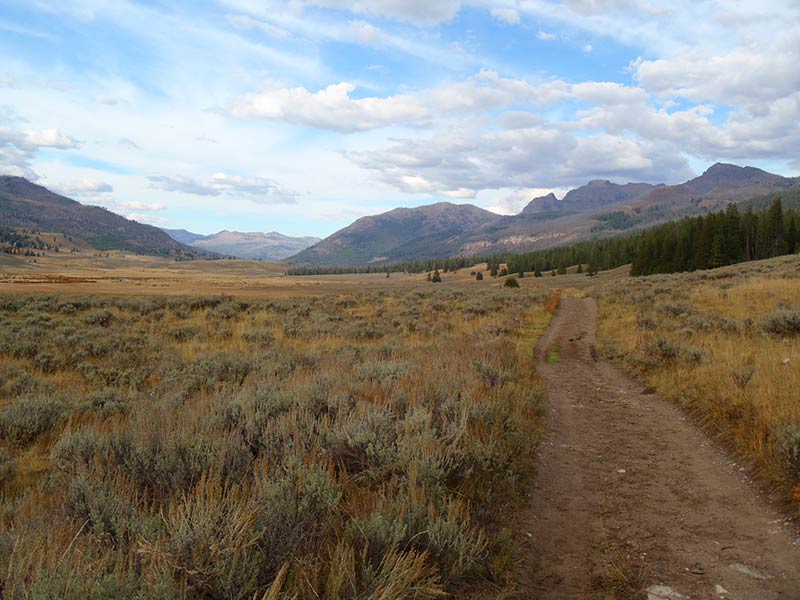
(348, 445)
(725, 344)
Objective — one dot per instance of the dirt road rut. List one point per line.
(633, 500)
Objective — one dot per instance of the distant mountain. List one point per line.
(271, 246)
(400, 234)
(592, 196)
(598, 209)
(542, 204)
(24, 204)
(183, 236)
(734, 181)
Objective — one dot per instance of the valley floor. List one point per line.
(632, 500)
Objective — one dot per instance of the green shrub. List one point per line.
(26, 418)
(8, 467)
(101, 318)
(782, 322)
(511, 282)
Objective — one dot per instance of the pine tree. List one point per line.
(777, 233)
(792, 235)
(437, 278)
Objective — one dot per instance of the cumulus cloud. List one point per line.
(746, 76)
(258, 189)
(32, 140)
(462, 163)
(84, 187)
(508, 16)
(335, 108)
(18, 148)
(330, 108)
(546, 37)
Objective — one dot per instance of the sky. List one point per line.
(302, 116)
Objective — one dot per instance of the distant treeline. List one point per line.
(24, 242)
(702, 242)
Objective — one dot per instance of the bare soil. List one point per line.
(633, 500)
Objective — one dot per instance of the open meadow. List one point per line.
(215, 429)
(724, 344)
(368, 441)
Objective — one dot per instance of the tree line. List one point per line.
(702, 242)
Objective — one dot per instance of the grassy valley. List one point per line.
(357, 445)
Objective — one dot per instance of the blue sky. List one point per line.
(301, 116)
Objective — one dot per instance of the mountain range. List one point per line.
(26, 205)
(598, 209)
(271, 246)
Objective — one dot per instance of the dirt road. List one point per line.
(632, 500)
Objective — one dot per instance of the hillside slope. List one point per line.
(24, 204)
(400, 234)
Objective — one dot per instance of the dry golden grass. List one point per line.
(704, 340)
(336, 445)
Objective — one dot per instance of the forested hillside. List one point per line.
(703, 242)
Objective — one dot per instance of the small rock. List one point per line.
(751, 571)
(786, 360)
(720, 591)
(698, 569)
(663, 592)
(621, 471)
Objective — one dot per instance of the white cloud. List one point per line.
(367, 34)
(258, 189)
(147, 219)
(145, 206)
(330, 108)
(19, 147)
(34, 139)
(745, 76)
(423, 13)
(587, 48)
(508, 16)
(515, 200)
(546, 37)
(84, 187)
(6, 81)
(335, 108)
(107, 99)
(248, 23)
(462, 162)
(608, 93)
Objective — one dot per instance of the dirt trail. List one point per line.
(631, 497)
